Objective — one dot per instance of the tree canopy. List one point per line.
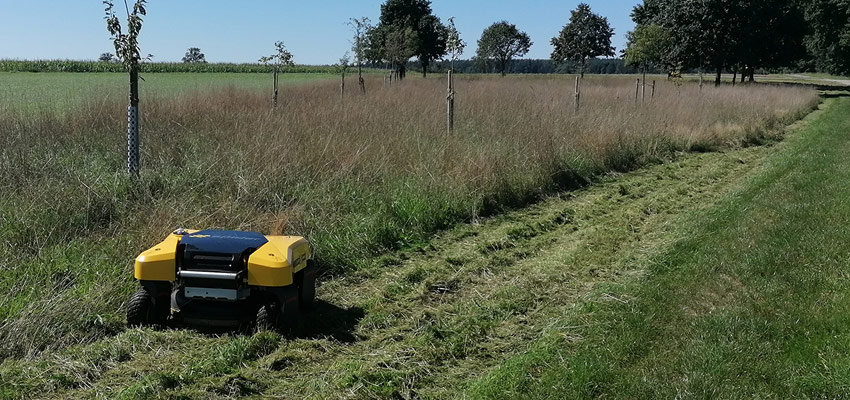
(454, 44)
(194, 55)
(107, 57)
(502, 42)
(649, 46)
(586, 36)
(739, 34)
(828, 42)
(407, 28)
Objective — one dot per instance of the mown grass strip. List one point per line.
(752, 302)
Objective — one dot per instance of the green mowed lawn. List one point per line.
(751, 301)
(31, 92)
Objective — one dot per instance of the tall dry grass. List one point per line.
(359, 177)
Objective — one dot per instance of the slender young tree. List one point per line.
(127, 51)
(282, 58)
(503, 42)
(648, 46)
(342, 67)
(454, 44)
(586, 36)
(360, 46)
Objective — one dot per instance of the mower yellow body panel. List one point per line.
(271, 265)
(274, 264)
(157, 263)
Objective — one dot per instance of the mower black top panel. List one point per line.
(222, 242)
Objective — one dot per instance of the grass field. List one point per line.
(367, 179)
(50, 92)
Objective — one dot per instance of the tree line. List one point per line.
(741, 36)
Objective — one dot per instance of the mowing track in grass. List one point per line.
(751, 301)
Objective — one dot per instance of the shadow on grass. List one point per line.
(332, 321)
(325, 320)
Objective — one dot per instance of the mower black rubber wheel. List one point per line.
(307, 286)
(267, 318)
(280, 315)
(140, 310)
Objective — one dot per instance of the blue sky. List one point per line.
(242, 31)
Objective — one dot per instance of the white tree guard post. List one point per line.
(450, 105)
(133, 140)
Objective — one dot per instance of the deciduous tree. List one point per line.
(360, 46)
(194, 55)
(408, 25)
(454, 44)
(502, 42)
(829, 40)
(586, 36)
(281, 58)
(128, 52)
(649, 46)
(106, 57)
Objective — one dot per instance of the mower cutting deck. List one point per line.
(224, 279)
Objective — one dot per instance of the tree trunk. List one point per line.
(581, 71)
(424, 69)
(717, 77)
(643, 85)
(637, 90)
(133, 124)
(734, 76)
(752, 75)
(503, 67)
(577, 104)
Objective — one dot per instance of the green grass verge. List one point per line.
(752, 300)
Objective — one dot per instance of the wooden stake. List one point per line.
(342, 87)
(700, 79)
(637, 90)
(274, 96)
(578, 94)
(653, 91)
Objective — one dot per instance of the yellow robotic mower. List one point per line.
(224, 279)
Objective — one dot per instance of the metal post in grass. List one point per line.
(577, 94)
(127, 50)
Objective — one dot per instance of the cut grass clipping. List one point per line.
(751, 300)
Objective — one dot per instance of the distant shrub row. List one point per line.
(95, 66)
